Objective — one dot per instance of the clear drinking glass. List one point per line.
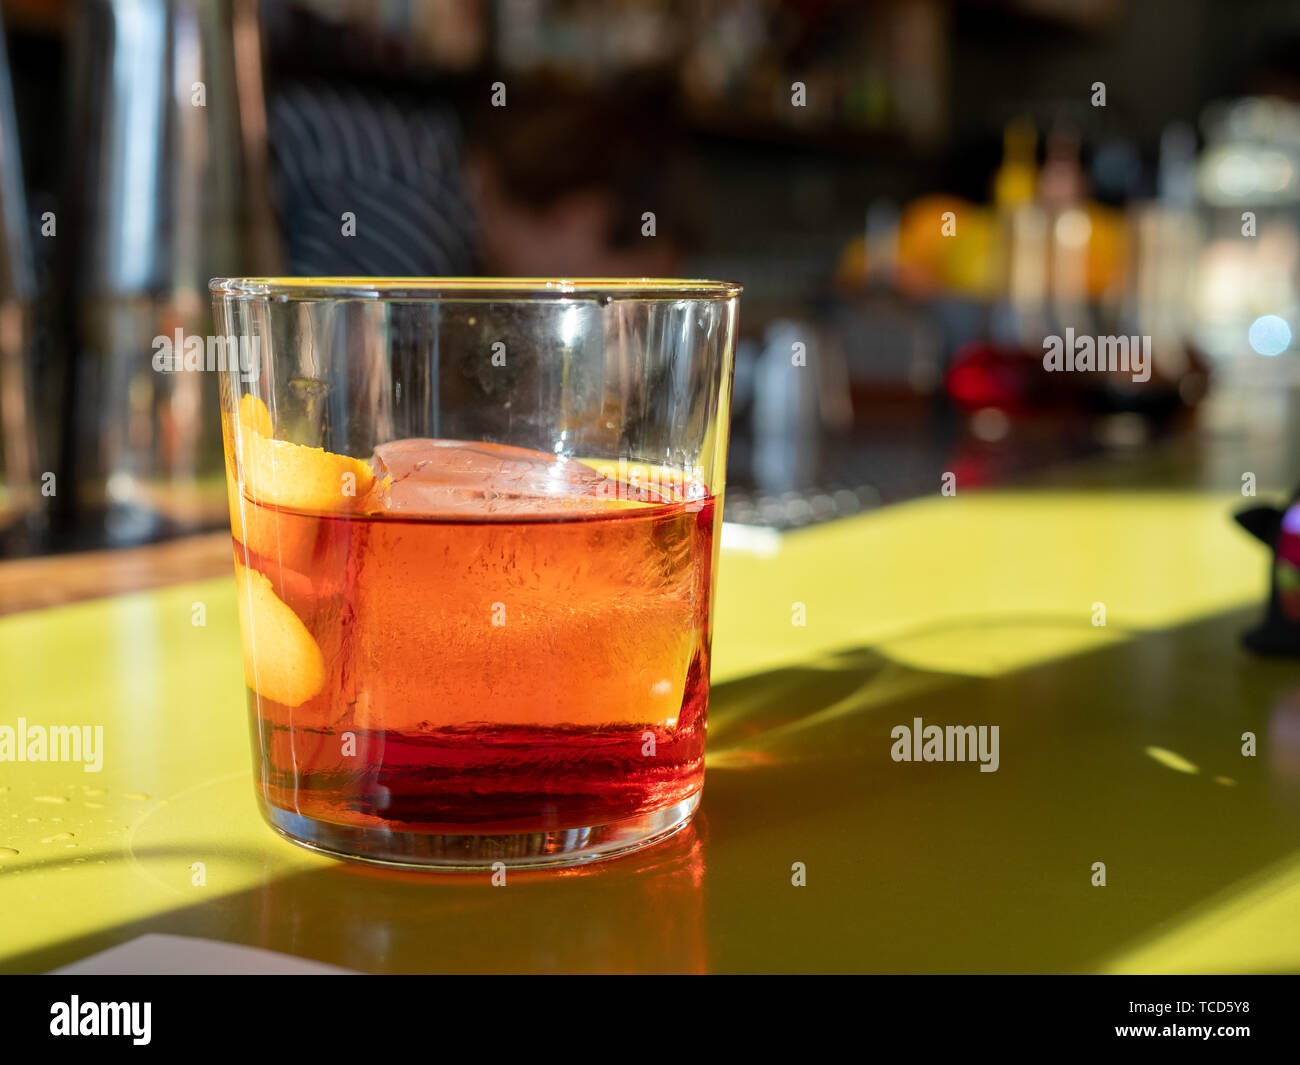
(476, 526)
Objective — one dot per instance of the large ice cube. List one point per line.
(454, 477)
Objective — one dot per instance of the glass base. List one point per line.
(475, 852)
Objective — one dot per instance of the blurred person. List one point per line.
(369, 183)
(562, 183)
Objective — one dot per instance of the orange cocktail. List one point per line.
(480, 636)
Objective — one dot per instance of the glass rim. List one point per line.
(473, 288)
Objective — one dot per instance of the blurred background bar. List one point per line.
(917, 195)
(19, 513)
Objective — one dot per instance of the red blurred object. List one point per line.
(987, 376)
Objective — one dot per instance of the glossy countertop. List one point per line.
(1119, 744)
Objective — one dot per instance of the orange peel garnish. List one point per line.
(282, 660)
(253, 414)
(282, 474)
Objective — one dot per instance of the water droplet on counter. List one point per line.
(94, 805)
(50, 798)
(7, 852)
(57, 837)
(136, 795)
(92, 791)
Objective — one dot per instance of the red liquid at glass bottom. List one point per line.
(485, 778)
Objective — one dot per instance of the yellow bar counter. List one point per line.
(1120, 747)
